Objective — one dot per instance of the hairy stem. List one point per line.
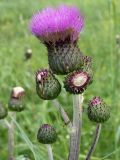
(94, 143)
(49, 149)
(11, 139)
(63, 114)
(75, 136)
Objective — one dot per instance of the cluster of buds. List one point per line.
(64, 56)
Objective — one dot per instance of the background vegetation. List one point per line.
(98, 40)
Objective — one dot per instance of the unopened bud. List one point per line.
(98, 111)
(46, 134)
(28, 54)
(47, 86)
(16, 102)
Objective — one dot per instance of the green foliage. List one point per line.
(97, 40)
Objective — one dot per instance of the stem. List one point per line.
(7, 123)
(49, 149)
(76, 128)
(95, 141)
(11, 139)
(63, 113)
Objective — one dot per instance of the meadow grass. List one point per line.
(98, 40)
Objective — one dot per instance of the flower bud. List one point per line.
(64, 58)
(16, 102)
(76, 82)
(28, 54)
(17, 105)
(3, 111)
(98, 111)
(47, 86)
(46, 134)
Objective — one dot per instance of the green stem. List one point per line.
(63, 114)
(49, 149)
(11, 139)
(76, 128)
(95, 141)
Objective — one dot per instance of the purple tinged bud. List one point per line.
(47, 86)
(98, 111)
(96, 101)
(16, 102)
(47, 134)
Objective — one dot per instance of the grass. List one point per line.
(97, 40)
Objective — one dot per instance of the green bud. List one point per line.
(28, 54)
(16, 102)
(3, 111)
(64, 57)
(47, 86)
(98, 111)
(46, 134)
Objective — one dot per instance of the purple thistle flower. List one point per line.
(51, 25)
(58, 29)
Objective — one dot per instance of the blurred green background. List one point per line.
(98, 40)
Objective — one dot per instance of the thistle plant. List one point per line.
(59, 29)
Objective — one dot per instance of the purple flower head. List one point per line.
(57, 24)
